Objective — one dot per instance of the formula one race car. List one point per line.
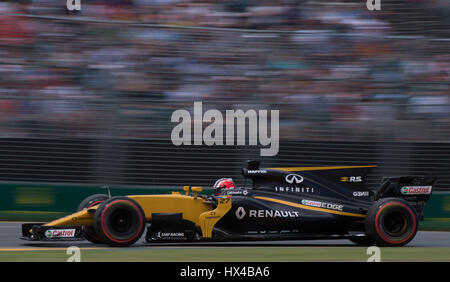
(281, 203)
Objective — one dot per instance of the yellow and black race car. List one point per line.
(281, 203)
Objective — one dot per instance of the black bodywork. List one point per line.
(309, 203)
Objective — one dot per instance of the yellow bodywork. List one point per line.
(193, 208)
(210, 218)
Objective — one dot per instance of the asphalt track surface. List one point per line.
(11, 231)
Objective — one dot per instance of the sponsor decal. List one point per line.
(60, 233)
(291, 178)
(257, 171)
(212, 215)
(324, 205)
(416, 190)
(351, 179)
(236, 192)
(312, 203)
(273, 231)
(171, 234)
(361, 194)
(241, 213)
(294, 189)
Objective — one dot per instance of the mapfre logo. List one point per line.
(293, 178)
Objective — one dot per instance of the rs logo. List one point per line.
(291, 178)
(351, 179)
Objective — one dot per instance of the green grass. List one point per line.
(229, 254)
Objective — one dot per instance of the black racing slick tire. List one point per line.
(391, 222)
(119, 221)
(93, 200)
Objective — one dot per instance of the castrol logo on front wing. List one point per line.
(416, 190)
(60, 233)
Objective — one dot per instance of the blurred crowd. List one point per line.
(336, 71)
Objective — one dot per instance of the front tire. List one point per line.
(391, 222)
(119, 221)
(91, 201)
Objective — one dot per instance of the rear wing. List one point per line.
(414, 189)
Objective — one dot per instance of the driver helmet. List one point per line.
(223, 183)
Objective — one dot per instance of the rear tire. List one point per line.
(91, 201)
(119, 222)
(391, 222)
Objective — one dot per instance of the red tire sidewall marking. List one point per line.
(381, 233)
(95, 203)
(103, 221)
